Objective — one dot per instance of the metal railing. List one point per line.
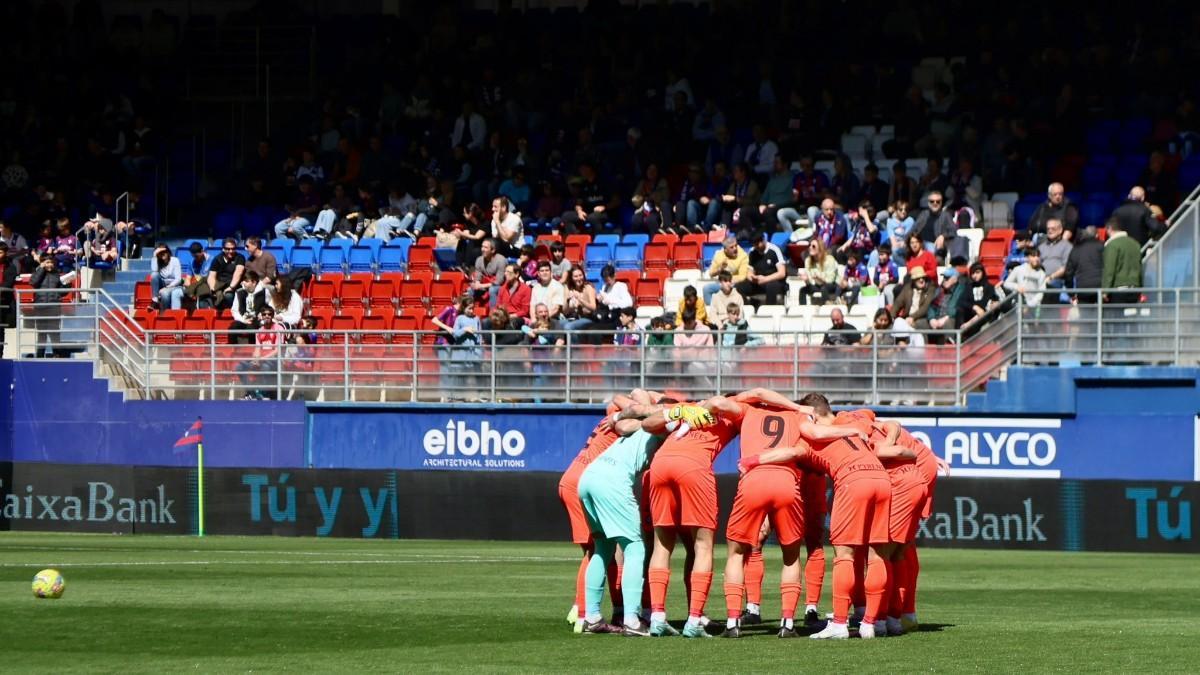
(1172, 261)
(410, 366)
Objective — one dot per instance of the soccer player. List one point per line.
(602, 436)
(812, 493)
(609, 489)
(770, 491)
(860, 508)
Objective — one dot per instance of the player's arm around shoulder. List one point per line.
(771, 397)
(776, 456)
(826, 432)
(894, 452)
(725, 407)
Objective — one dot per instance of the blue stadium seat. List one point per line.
(227, 222)
(1100, 136)
(710, 252)
(338, 242)
(1023, 211)
(639, 238)
(392, 258)
(374, 244)
(781, 239)
(283, 242)
(332, 259)
(1103, 159)
(1131, 137)
(529, 240)
(1128, 173)
(1189, 176)
(362, 259)
(593, 276)
(1097, 177)
(315, 244)
(609, 240)
(303, 257)
(282, 257)
(627, 256)
(597, 256)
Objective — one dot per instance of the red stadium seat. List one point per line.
(352, 294)
(442, 292)
(321, 294)
(376, 322)
(412, 295)
(649, 292)
(579, 239)
(421, 259)
(143, 294)
(686, 255)
(656, 256)
(382, 296)
(665, 238)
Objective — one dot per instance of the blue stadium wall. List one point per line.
(1072, 459)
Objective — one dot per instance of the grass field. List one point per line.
(221, 604)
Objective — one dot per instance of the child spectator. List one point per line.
(853, 279)
(267, 341)
(735, 329)
(691, 303)
(628, 333)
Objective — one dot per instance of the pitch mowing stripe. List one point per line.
(168, 563)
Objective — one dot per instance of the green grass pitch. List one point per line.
(225, 604)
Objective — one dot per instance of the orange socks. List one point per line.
(897, 586)
(860, 564)
(843, 587)
(754, 577)
(791, 597)
(701, 581)
(908, 596)
(876, 585)
(580, 583)
(659, 579)
(814, 575)
(733, 600)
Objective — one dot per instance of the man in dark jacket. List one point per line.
(1136, 219)
(47, 306)
(8, 277)
(1085, 265)
(1056, 207)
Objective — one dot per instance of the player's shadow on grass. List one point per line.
(933, 627)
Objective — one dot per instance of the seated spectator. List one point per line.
(691, 303)
(549, 207)
(1056, 207)
(446, 236)
(628, 333)
(862, 234)
(692, 334)
(904, 188)
(938, 230)
(651, 203)
(506, 330)
(247, 301)
(915, 297)
(820, 275)
(809, 187)
(840, 334)
(44, 245)
(981, 298)
(768, 273)
(946, 312)
(919, 256)
(853, 279)
(843, 184)
(872, 189)
(100, 244)
(1055, 249)
(735, 330)
(489, 271)
(829, 224)
(724, 297)
(739, 204)
(592, 208)
(166, 279)
(1029, 278)
(696, 207)
(548, 291)
(527, 262)
(732, 259)
(18, 248)
(1122, 266)
(579, 310)
(1085, 265)
(560, 267)
(777, 195)
(1021, 245)
(884, 274)
(195, 278)
(260, 261)
(881, 330)
(543, 330)
(966, 188)
(514, 296)
(1160, 184)
(267, 341)
(517, 191)
(470, 236)
(287, 303)
(225, 274)
(508, 231)
(304, 206)
(933, 180)
(612, 296)
(898, 226)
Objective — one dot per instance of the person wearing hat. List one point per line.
(948, 310)
(915, 298)
(981, 298)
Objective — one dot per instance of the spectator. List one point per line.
(777, 195)
(1160, 185)
(445, 322)
(809, 187)
(898, 226)
(100, 245)
(981, 299)
(466, 354)
(1029, 278)
(690, 302)
(612, 296)
(725, 296)
(549, 208)
(517, 191)
(166, 279)
(1136, 219)
(560, 267)
(305, 205)
(760, 154)
(723, 150)
(707, 121)
(1022, 243)
(735, 330)
(18, 248)
(287, 303)
(933, 180)
(46, 309)
(301, 356)
(8, 280)
(840, 333)
(884, 274)
(651, 202)
(740, 203)
(1056, 207)
(309, 168)
(595, 201)
(915, 297)
(861, 233)
(66, 247)
(470, 129)
(966, 188)
(504, 334)
(261, 261)
(950, 306)
(938, 230)
(853, 279)
(904, 188)
(579, 310)
(732, 259)
(44, 246)
(872, 189)
(225, 274)
(548, 291)
(628, 333)
(267, 341)
(489, 271)
(247, 301)
(830, 225)
(821, 280)
(919, 256)
(1055, 249)
(768, 272)
(1085, 265)
(1122, 266)
(527, 262)
(514, 296)
(692, 336)
(508, 232)
(195, 280)
(696, 208)
(843, 185)
(470, 236)
(544, 331)
(880, 333)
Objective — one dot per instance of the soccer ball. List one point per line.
(49, 584)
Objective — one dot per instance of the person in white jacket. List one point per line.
(288, 305)
(1028, 279)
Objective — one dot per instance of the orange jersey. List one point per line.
(841, 457)
(926, 461)
(766, 428)
(599, 441)
(704, 443)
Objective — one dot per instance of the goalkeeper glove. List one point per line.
(695, 416)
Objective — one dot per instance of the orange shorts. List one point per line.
(908, 498)
(767, 492)
(581, 532)
(683, 492)
(812, 493)
(860, 511)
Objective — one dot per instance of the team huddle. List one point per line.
(646, 471)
